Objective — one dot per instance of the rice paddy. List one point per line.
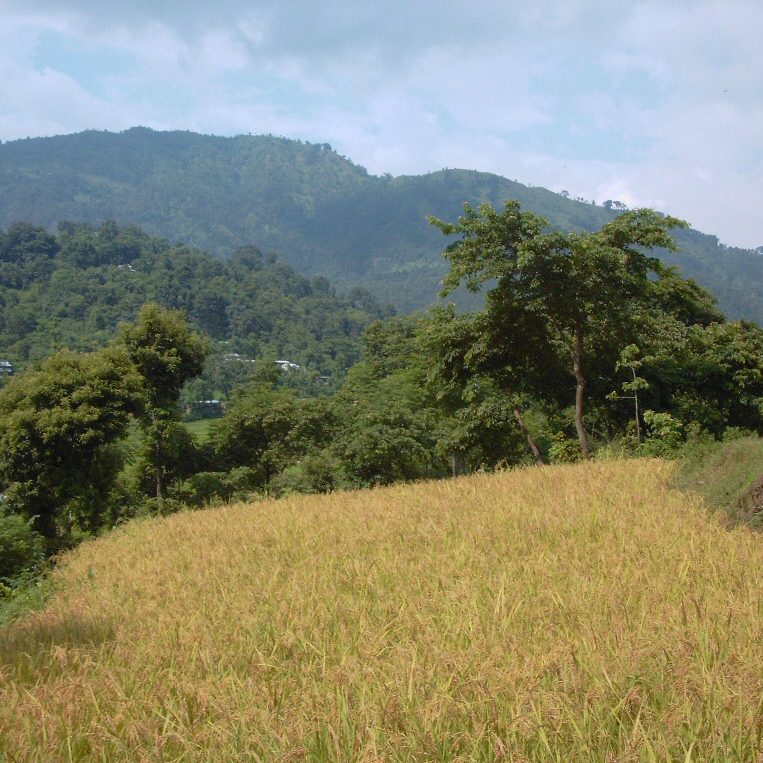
(575, 613)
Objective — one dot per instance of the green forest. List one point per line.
(584, 343)
(71, 290)
(323, 214)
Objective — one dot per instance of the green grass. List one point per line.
(200, 429)
(28, 597)
(726, 476)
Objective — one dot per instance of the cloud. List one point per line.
(51, 103)
(656, 101)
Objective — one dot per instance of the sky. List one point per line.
(650, 102)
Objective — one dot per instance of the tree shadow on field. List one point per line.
(43, 642)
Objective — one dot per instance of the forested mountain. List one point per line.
(322, 213)
(73, 289)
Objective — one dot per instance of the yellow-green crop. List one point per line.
(577, 613)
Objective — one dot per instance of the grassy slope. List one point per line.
(587, 612)
(200, 429)
(729, 476)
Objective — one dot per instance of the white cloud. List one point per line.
(654, 101)
(48, 102)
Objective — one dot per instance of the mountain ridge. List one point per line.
(321, 212)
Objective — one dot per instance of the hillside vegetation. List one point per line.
(584, 343)
(322, 213)
(73, 289)
(584, 612)
(728, 476)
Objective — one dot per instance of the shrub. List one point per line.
(736, 433)
(564, 450)
(22, 550)
(207, 488)
(665, 434)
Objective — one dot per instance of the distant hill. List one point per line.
(73, 289)
(319, 211)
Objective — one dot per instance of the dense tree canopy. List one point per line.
(579, 293)
(72, 290)
(58, 426)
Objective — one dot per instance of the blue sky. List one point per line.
(652, 102)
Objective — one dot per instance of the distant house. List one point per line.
(322, 379)
(235, 357)
(6, 367)
(286, 365)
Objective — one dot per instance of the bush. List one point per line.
(152, 507)
(736, 433)
(564, 450)
(665, 434)
(22, 550)
(203, 488)
(320, 472)
(317, 472)
(209, 488)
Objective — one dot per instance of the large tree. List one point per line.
(58, 425)
(166, 353)
(268, 429)
(578, 294)
(464, 364)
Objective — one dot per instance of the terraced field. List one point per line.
(572, 613)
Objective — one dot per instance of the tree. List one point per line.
(629, 359)
(166, 353)
(711, 376)
(575, 293)
(58, 425)
(389, 431)
(267, 430)
(413, 404)
(465, 372)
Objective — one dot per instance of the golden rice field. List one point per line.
(580, 613)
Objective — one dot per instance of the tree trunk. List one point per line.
(457, 464)
(533, 447)
(635, 401)
(45, 524)
(577, 367)
(158, 465)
